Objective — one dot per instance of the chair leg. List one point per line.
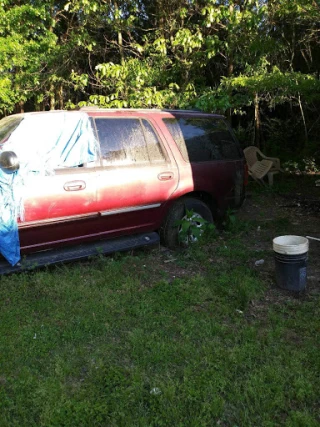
(260, 181)
(270, 177)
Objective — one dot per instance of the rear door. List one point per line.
(136, 177)
(217, 163)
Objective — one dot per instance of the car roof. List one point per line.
(96, 111)
(92, 109)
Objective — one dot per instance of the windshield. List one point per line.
(7, 126)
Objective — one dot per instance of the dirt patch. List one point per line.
(269, 214)
(277, 214)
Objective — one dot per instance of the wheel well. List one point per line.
(206, 198)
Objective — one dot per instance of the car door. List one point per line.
(136, 177)
(216, 159)
(58, 208)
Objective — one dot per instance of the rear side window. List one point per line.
(128, 141)
(203, 140)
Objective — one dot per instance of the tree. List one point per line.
(23, 52)
(249, 59)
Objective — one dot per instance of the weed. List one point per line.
(192, 227)
(233, 224)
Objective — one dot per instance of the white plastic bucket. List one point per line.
(291, 255)
(290, 245)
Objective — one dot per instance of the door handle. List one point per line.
(74, 185)
(165, 176)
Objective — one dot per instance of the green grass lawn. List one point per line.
(155, 339)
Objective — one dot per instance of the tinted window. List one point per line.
(202, 140)
(128, 141)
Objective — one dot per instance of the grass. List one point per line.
(134, 340)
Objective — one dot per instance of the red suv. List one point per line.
(101, 174)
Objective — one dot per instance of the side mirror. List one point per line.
(9, 162)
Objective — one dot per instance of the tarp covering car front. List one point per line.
(42, 142)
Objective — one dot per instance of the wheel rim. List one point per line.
(196, 220)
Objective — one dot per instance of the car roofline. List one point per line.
(146, 111)
(149, 110)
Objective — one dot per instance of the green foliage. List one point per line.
(236, 58)
(24, 51)
(132, 84)
(192, 227)
(276, 87)
(233, 225)
(304, 165)
(213, 101)
(7, 96)
(310, 165)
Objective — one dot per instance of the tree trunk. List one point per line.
(21, 107)
(230, 65)
(160, 21)
(52, 98)
(257, 121)
(120, 40)
(60, 97)
(229, 74)
(303, 119)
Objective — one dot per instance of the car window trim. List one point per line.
(166, 157)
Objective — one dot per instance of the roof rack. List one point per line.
(166, 110)
(195, 110)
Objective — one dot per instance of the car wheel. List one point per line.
(170, 230)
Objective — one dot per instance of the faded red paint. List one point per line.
(83, 204)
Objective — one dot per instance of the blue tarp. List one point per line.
(9, 236)
(42, 143)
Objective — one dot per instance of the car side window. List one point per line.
(128, 141)
(155, 150)
(203, 140)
